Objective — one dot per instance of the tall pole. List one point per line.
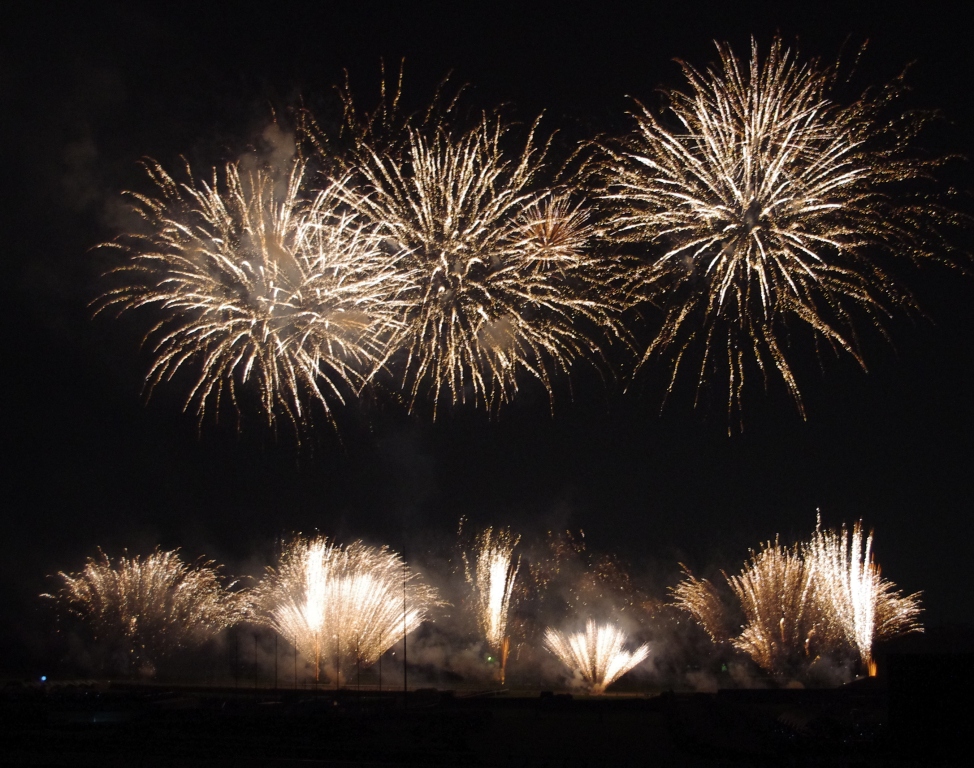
(275, 661)
(405, 687)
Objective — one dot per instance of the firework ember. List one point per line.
(491, 575)
(598, 654)
(507, 285)
(340, 605)
(763, 207)
(150, 606)
(260, 284)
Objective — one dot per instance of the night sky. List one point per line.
(89, 462)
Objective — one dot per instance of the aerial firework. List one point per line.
(598, 654)
(507, 283)
(823, 597)
(150, 607)
(865, 606)
(491, 575)
(762, 207)
(262, 284)
(340, 605)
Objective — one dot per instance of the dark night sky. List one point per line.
(88, 462)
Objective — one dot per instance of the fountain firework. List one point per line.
(258, 282)
(150, 606)
(341, 604)
(491, 576)
(772, 208)
(864, 606)
(598, 654)
(506, 281)
(823, 597)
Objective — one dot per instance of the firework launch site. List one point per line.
(902, 717)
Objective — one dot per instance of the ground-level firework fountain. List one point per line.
(341, 606)
(146, 608)
(491, 570)
(598, 654)
(824, 597)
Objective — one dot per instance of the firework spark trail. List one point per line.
(153, 605)
(259, 282)
(598, 654)
(343, 604)
(507, 283)
(491, 576)
(770, 208)
(865, 607)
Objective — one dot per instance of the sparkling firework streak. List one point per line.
(864, 606)
(492, 575)
(258, 283)
(598, 654)
(341, 605)
(152, 606)
(507, 284)
(769, 208)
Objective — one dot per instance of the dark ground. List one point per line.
(911, 715)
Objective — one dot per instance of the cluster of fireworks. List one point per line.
(344, 608)
(824, 596)
(415, 254)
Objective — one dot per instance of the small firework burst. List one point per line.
(258, 284)
(150, 606)
(506, 282)
(767, 208)
(598, 654)
(341, 605)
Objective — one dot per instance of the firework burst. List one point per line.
(491, 575)
(506, 281)
(341, 605)
(260, 284)
(150, 606)
(766, 208)
(598, 654)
